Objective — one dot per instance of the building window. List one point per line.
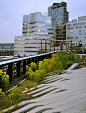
(76, 24)
(76, 37)
(71, 28)
(68, 28)
(68, 37)
(76, 27)
(80, 27)
(25, 23)
(38, 30)
(31, 31)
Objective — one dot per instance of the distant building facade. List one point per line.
(59, 14)
(37, 32)
(6, 49)
(61, 32)
(76, 31)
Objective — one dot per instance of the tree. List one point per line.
(39, 75)
(29, 73)
(69, 63)
(27, 67)
(15, 95)
(2, 95)
(33, 66)
(46, 64)
(4, 80)
(41, 65)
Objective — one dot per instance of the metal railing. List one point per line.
(16, 68)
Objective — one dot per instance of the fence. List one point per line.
(16, 68)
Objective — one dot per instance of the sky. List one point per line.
(12, 11)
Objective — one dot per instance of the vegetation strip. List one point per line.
(35, 75)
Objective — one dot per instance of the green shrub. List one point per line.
(39, 75)
(69, 63)
(4, 80)
(56, 64)
(84, 59)
(15, 95)
(47, 63)
(2, 95)
(27, 84)
(33, 66)
(41, 65)
(27, 67)
(29, 74)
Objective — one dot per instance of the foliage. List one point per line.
(2, 94)
(84, 59)
(69, 63)
(30, 74)
(56, 64)
(9, 99)
(76, 49)
(4, 80)
(47, 63)
(54, 56)
(27, 84)
(77, 56)
(33, 66)
(64, 58)
(15, 95)
(27, 67)
(39, 75)
(41, 65)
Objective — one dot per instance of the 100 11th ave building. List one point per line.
(36, 36)
(59, 14)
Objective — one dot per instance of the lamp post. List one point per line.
(50, 44)
(45, 46)
(61, 46)
(54, 44)
(41, 45)
(67, 45)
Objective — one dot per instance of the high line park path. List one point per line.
(64, 93)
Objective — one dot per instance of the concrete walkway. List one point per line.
(64, 93)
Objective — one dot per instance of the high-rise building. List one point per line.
(59, 14)
(76, 31)
(37, 32)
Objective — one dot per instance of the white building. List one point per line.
(76, 31)
(36, 35)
